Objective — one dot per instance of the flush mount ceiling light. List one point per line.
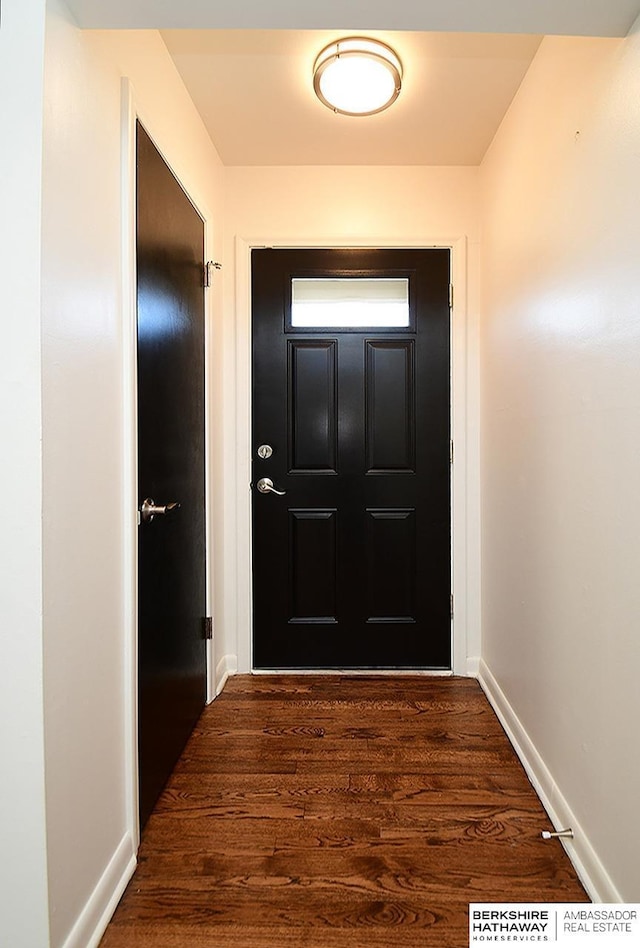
(357, 76)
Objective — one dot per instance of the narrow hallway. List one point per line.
(339, 811)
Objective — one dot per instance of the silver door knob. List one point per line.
(265, 486)
(150, 509)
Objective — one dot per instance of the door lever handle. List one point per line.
(149, 509)
(265, 486)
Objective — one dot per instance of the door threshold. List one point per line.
(385, 672)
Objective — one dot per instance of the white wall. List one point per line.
(350, 205)
(23, 876)
(86, 325)
(561, 439)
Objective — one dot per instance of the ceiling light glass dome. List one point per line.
(357, 76)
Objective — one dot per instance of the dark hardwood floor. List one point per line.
(339, 812)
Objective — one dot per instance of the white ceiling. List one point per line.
(247, 65)
(253, 89)
(571, 17)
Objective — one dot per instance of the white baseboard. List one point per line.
(228, 665)
(96, 914)
(590, 869)
(473, 667)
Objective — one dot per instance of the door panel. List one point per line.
(314, 410)
(352, 565)
(390, 410)
(391, 554)
(312, 562)
(171, 548)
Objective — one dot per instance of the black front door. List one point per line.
(171, 427)
(351, 420)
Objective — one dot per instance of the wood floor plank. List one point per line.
(366, 752)
(433, 762)
(305, 888)
(430, 819)
(342, 812)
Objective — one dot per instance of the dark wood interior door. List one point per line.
(171, 469)
(352, 565)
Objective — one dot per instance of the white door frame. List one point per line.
(130, 113)
(464, 479)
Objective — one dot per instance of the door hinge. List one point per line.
(208, 267)
(451, 451)
(451, 604)
(207, 627)
(451, 296)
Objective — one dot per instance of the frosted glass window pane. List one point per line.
(349, 303)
